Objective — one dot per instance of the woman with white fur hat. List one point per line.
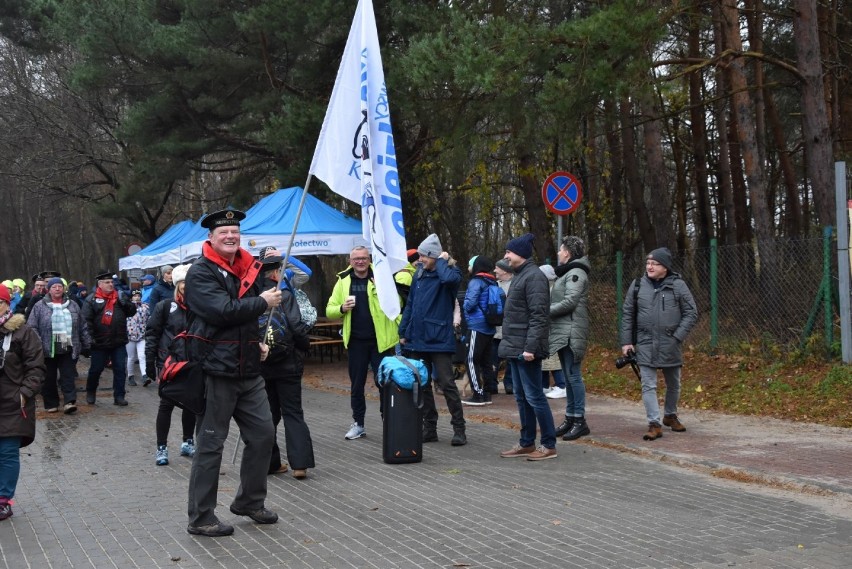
(167, 320)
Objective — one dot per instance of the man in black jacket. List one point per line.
(106, 313)
(224, 300)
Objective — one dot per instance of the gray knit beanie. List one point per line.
(431, 247)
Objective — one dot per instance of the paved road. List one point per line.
(91, 496)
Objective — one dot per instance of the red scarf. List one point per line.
(244, 267)
(109, 307)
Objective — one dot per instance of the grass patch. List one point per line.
(793, 389)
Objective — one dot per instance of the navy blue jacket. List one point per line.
(427, 322)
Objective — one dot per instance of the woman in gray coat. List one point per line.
(569, 331)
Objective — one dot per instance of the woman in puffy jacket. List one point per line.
(21, 374)
(166, 321)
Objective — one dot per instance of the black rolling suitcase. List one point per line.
(402, 382)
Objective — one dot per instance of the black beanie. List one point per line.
(482, 264)
(521, 246)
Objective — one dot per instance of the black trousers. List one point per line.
(285, 402)
(63, 366)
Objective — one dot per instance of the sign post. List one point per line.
(562, 193)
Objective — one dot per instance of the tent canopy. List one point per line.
(322, 231)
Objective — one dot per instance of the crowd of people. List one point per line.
(241, 327)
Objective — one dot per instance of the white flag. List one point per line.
(355, 154)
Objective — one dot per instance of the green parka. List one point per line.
(569, 308)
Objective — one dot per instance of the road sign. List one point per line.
(562, 193)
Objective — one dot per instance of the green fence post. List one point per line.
(619, 290)
(714, 294)
(826, 278)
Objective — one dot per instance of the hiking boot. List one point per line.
(655, 431)
(146, 381)
(90, 397)
(673, 422)
(120, 401)
(5, 510)
(459, 438)
(430, 436)
(187, 448)
(578, 429)
(131, 380)
(518, 451)
(212, 530)
(70, 407)
(355, 431)
(261, 516)
(566, 425)
(162, 456)
(556, 393)
(475, 399)
(542, 453)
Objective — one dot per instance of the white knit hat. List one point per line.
(179, 273)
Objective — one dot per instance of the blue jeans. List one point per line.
(10, 465)
(118, 355)
(649, 391)
(575, 404)
(532, 404)
(558, 378)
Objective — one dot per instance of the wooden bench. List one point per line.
(323, 343)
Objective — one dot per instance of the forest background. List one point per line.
(695, 124)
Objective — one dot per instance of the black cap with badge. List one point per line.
(104, 276)
(271, 258)
(222, 218)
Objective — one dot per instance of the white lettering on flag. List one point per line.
(355, 154)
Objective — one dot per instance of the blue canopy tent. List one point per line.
(157, 253)
(322, 231)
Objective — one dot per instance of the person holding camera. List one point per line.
(659, 311)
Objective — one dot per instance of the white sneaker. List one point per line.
(548, 390)
(556, 393)
(355, 431)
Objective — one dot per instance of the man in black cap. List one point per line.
(25, 306)
(106, 313)
(224, 298)
(659, 311)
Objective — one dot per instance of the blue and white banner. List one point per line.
(355, 154)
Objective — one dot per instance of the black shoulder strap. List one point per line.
(415, 387)
(635, 309)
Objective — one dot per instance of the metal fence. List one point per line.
(744, 307)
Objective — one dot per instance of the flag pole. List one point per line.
(281, 275)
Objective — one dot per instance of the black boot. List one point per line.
(459, 438)
(578, 429)
(565, 426)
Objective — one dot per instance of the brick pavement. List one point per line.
(91, 496)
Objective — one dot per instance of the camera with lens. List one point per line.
(629, 359)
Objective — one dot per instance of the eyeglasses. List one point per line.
(653, 264)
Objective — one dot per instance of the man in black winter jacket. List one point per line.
(225, 300)
(106, 313)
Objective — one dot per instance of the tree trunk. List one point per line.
(615, 184)
(658, 180)
(634, 180)
(727, 209)
(818, 142)
(540, 226)
(698, 130)
(744, 113)
(792, 225)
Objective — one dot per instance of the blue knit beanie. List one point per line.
(521, 246)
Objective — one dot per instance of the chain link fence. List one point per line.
(773, 306)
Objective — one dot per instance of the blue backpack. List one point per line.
(495, 305)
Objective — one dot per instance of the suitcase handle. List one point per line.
(416, 396)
